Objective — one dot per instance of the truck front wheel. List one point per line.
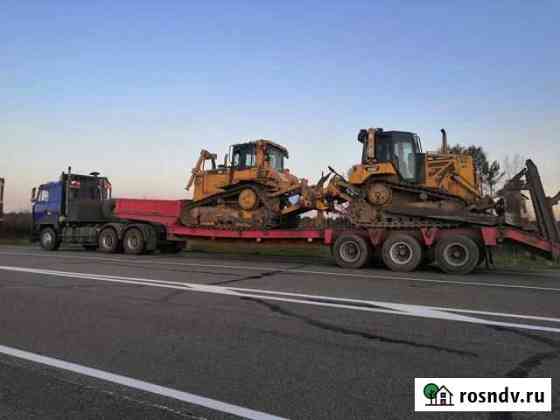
(49, 240)
(133, 241)
(108, 241)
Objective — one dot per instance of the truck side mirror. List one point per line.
(34, 195)
(226, 158)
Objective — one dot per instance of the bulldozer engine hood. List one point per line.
(283, 177)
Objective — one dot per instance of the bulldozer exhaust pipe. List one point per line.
(444, 145)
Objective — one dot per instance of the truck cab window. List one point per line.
(43, 196)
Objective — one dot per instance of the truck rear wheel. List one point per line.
(49, 240)
(457, 254)
(134, 242)
(108, 241)
(402, 252)
(351, 251)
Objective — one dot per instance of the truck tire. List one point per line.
(108, 241)
(402, 252)
(457, 254)
(351, 251)
(48, 239)
(134, 242)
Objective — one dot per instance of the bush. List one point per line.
(16, 226)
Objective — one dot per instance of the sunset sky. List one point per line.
(134, 89)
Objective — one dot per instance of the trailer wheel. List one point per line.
(49, 240)
(351, 251)
(134, 242)
(108, 241)
(402, 252)
(457, 254)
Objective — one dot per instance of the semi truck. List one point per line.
(80, 209)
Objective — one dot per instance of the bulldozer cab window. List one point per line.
(401, 150)
(405, 157)
(244, 156)
(275, 158)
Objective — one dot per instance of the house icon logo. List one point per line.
(438, 395)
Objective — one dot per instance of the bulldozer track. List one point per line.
(389, 220)
(213, 200)
(400, 223)
(419, 190)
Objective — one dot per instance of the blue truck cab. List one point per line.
(47, 207)
(71, 209)
(78, 209)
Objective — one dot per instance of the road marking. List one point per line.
(141, 385)
(391, 276)
(393, 308)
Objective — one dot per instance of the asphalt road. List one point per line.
(213, 336)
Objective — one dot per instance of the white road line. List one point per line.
(390, 276)
(138, 384)
(393, 308)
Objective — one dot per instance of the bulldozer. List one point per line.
(398, 185)
(252, 189)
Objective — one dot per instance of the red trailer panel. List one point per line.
(531, 240)
(306, 234)
(165, 212)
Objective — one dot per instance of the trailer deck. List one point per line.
(166, 213)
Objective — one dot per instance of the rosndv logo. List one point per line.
(438, 396)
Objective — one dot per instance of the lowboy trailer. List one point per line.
(78, 209)
(454, 250)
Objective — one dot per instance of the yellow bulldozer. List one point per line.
(398, 185)
(251, 189)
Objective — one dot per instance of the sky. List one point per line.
(135, 89)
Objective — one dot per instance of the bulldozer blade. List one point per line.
(548, 226)
(555, 199)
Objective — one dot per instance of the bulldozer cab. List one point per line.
(400, 148)
(257, 154)
(246, 162)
